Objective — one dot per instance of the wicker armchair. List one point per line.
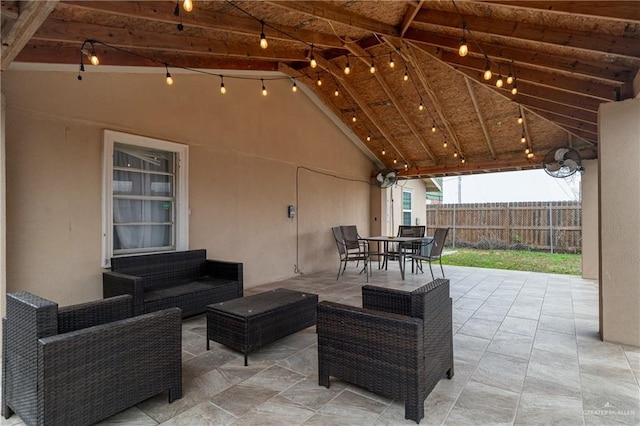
(400, 344)
(80, 364)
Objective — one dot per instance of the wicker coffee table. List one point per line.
(248, 323)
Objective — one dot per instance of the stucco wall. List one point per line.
(589, 197)
(619, 157)
(245, 154)
(418, 205)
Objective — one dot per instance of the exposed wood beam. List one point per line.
(620, 10)
(411, 58)
(474, 100)
(540, 104)
(605, 70)
(362, 55)
(324, 10)
(43, 53)
(358, 99)
(76, 32)
(412, 11)
(567, 121)
(205, 19)
(621, 46)
(470, 167)
(9, 10)
(557, 81)
(32, 15)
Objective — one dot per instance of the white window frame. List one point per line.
(410, 211)
(110, 137)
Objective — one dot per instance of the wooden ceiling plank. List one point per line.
(338, 74)
(362, 55)
(565, 111)
(32, 14)
(471, 167)
(566, 121)
(205, 19)
(9, 10)
(620, 10)
(76, 32)
(433, 97)
(474, 100)
(598, 90)
(537, 58)
(620, 46)
(409, 16)
(326, 11)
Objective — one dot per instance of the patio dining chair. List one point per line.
(429, 251)
(405, 231)
(350, 253)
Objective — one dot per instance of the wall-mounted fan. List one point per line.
(387, 178)
(562, 162)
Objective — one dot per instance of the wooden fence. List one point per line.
(552, 226)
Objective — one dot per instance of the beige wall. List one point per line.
(245, 154)
(590, 229)
(619, 159)
(418, 204)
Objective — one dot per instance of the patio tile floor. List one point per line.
(525, 346)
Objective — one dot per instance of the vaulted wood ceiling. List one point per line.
(567, 58)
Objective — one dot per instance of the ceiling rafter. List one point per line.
(474, 100)
(77, 32)
(619, 10)
(205, 19)
(337, 74)
(619, 46)
(412, 11)
(15, 37)
(362, 55)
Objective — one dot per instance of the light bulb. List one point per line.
(395, 161)
(294, 88)
(391, 63)
(319, 82)
(354, 118)
(406, 166)
(369, 137)
(462, 160)
(169, 79)
(455, 154)
(313, 61)
(421, 106)
(526, 151)
(499, 82)
(530, 155)
(384, 152)
(514, 90)
(509, 78)
(372, 68)
(523, 139)
(520, 119)
(187, 5)
(94, 58)
(347, 69)
(263, 41)
(223, 89)
(487, 72)
(337, 92)
(406, 75)
(264, 89)
(433, 128)
(464, 49)
(444, 144)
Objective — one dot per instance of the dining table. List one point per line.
(402, 242)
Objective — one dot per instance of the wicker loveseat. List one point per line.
(400, 344)
(186, 279)
(80, 364)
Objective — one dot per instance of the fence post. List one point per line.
(550, 226)
(454, 226)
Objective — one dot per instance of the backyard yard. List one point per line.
(518, 260)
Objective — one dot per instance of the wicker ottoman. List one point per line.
(248, 323)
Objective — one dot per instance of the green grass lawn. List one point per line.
(517, 260)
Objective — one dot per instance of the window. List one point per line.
(406, 208)
(145, 198)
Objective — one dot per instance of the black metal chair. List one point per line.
(399, 344)
(430, 251)
(350, 252)
(80, 364)
(405, 231)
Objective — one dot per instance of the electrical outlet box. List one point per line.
(291, 212)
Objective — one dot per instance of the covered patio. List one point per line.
(526, 351)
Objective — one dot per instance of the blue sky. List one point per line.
(528, 185)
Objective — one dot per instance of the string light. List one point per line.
(319, 81)
(372, 68)
(383, 151)
(187, 5)
(395, 161)
(369, 137)
(421, 106)
(391, 63)
(264, 89)
(499, 82)
(526, 151)
(510, 78)
(354, 118)
(263, 39)
(455, 154)
(406, 74)
(337, 92)
(169, 79)
(520, 119)
(514, 89)
(294, 88)
(444, 145)
(487, 71)
(433, 127)
(523, 138)
(462, 160)
(313, 62)
(406, 166)
(223, 89)
(94, 58)
(347, 68)
(463, 50)
(530, 155)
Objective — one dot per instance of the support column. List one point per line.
(589, 208)
(619, 176)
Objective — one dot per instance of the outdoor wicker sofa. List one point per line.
(400, 344)
(80, 364)
(185, 279)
